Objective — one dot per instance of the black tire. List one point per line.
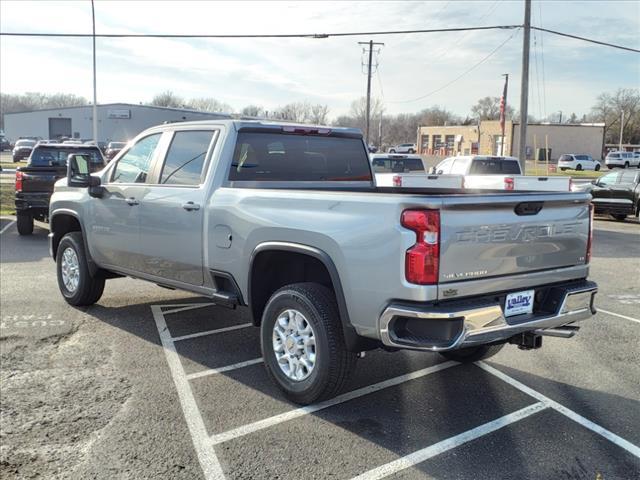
(90, 288)
(392, 151)
(610, 167)
(25, 223)
(562, 169)
(579, 168)
(411, 150)
(597, 169)
(619, 216)
(626, 165)
(472, 354)
(334, 363)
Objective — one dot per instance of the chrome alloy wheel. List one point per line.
(294, 344)
(70, 269)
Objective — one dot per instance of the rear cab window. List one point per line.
(45, 156)
(497, 166)
(397, 165)
(281, 157)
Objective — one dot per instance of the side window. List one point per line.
(628, 177)
(133, 167)
(444, 167)
(185, 158)
(608, 179)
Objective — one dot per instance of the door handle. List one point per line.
(132, 201)
(189, 206)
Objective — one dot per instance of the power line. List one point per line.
(274, 35)
(459, 76)
(585, 39)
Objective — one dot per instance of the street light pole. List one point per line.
(621, 130)
(95, 95)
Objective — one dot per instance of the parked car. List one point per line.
(113, 148)
(497, 173)
(573, 161)
(22, 149)
(403, 148)
(286, 220)
(372, 148)
(34, 182)
(621, 159)
(616, 194)
(4, 144)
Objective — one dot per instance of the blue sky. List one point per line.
(272, 72)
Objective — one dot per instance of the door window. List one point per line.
(628, 177)
(185, 158)
(608, 179)
(460, 166)
(444, 167)
(134, 166)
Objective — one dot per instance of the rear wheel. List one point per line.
(619, 217)
(626, 164)
(303, 344)
(75, 282)
(392, 151)
(597, 168)
(25, 223)
(411, 150)
(472, 354)
(579, 168)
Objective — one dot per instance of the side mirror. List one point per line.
(78, 168)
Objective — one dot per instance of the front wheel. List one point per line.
(392, 151)
(303, 344)
(597, 169)
(24, 222)
(619, 217)
(626, 164)
(411, 150)
(472, 354)
(75, 282)
(579, 168)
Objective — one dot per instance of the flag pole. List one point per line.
(503, 109)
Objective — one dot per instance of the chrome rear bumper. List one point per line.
(463, 324)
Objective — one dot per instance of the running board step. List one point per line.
(225, 299)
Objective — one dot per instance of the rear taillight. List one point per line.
(590, 239)
(508, 183)
(18, 181)
(397, 181)
(423, 258)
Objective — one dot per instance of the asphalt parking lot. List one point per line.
(152, 383)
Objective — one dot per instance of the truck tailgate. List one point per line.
(518, 182)
(40, 180)
(499, 235)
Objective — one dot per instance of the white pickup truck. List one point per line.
(498, 173)
(398, 170)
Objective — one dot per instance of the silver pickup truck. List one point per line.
(287, 221)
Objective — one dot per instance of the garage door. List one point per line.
(59, 127)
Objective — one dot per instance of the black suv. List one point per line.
(34, 182)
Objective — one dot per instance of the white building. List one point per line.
(117, 122)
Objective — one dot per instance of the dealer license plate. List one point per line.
(519, 303)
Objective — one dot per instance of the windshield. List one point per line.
(57, 157)
(496, 166)
(116, 145)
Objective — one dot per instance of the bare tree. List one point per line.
(609, 108)
(208, 104)
(10, 103)
(488, 108)
(318, 114)
(167, 99)
(252, 111)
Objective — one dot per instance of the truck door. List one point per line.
(172, 209)
(622, 191)
(601, 191)
(113, 222)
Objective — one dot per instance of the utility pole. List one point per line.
(560, 112)
(370, 43)
(524, 87)
(95, 95)
(621, 130)
(503, 111)
(380, 131)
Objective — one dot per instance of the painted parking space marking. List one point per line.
(204, 450)
(345, 397)
(205, 444)
(211, 332)
(7, 226)
(227, 368)
(450, 443)
(576, 417)
(619, 315)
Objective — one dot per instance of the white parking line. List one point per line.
(184, 306)
(205, 451)
(7, 226)
(453, 442)
(618, 315)
(228, 368)
(211, 332)
(345, 397)
(612, 437)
